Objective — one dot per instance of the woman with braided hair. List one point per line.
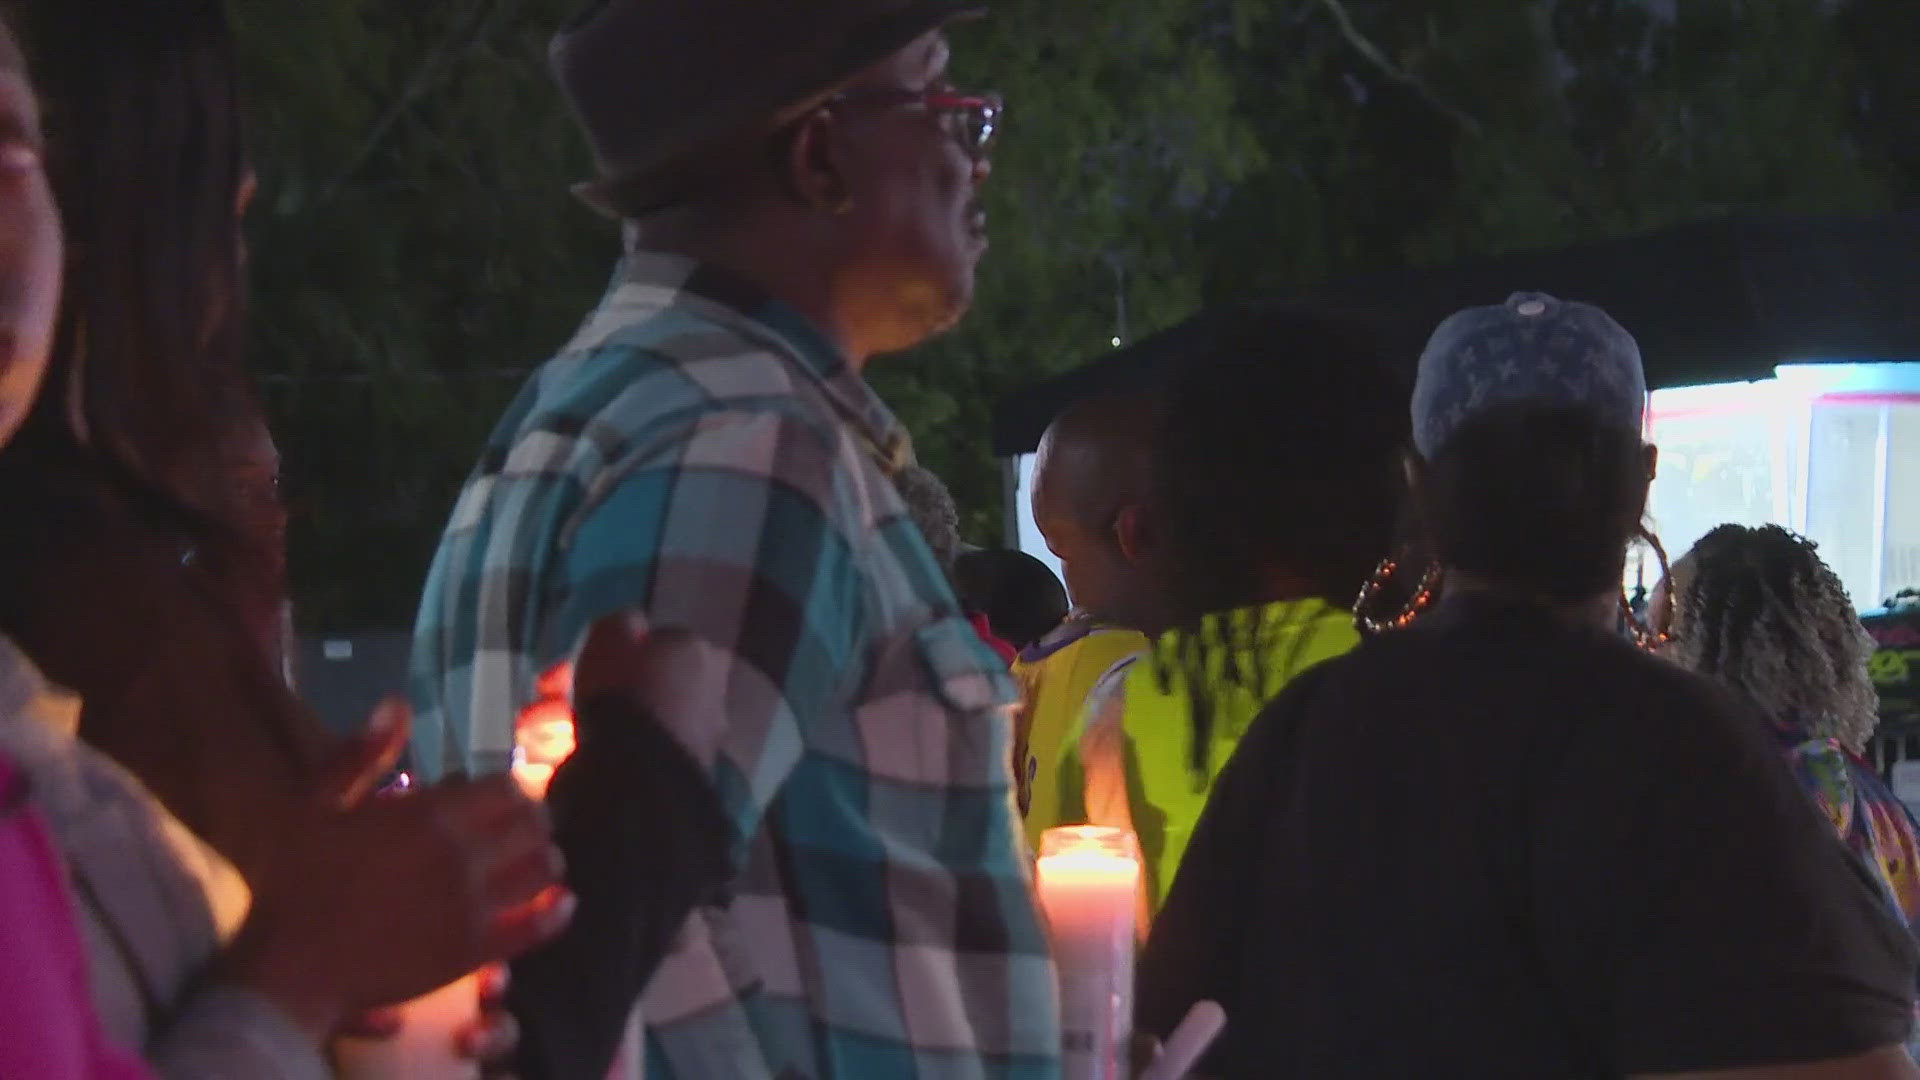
(1267, 528)
(1759, 610)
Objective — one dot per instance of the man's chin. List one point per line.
(940, 311)
(957, 308)
(927, 305)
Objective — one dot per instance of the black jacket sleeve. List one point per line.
(646, 842)
(1197, 946)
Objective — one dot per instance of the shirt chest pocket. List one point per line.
(939, 710)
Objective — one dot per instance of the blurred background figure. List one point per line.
(1091, 484)
(140, 491)
(50, 1028)
(1021, 599)
(930, 505)
(1758, 610)
(1276, 481)
(262, 902)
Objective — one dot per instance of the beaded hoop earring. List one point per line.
(1382, 574)
(1651, 637)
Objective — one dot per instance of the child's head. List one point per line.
(1020, 597)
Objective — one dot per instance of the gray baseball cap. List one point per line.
(1533, 348)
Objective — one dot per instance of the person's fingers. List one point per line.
(494, 980)
(362, 762)
(492, 1038)
(1189, 1042)
(1144, 1050)
(508, 849)
(531, 924)
(487, 805)
(521, 874)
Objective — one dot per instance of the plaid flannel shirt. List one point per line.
(703, 461)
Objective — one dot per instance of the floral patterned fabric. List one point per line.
(1873, 823)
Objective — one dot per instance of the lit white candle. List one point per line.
(1088, 882)
(427, 1047)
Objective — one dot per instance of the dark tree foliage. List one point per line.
(415, 252)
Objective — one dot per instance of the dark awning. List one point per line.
(1718, 301)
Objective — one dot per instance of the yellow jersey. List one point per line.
(1131, 764)
(1056, 674)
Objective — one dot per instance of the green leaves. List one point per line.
(414, 252)
(1122, 138)
(415, 248)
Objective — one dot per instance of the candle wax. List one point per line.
(426, 1047)
(1087, 892)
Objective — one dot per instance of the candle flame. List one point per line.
(1087, 867)
(1085, 853)
(544, 734)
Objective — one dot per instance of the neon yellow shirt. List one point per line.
(1132, 763)
(1056, 675)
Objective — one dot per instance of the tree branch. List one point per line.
(1371, 52)
(470, 31)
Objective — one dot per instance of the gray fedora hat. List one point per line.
(657, 83)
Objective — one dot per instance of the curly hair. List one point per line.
(1758, 609)
(931, 507)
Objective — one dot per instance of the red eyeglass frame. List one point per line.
(986, 110)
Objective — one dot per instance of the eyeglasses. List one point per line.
(975, 117)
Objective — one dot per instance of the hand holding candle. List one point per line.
(427, 1046)
(377, 900)
(1088, 878)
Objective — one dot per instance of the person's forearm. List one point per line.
(646, 841)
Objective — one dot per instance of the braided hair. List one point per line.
(1279, 457)
(1757, 608)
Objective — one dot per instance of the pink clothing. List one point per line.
(48, 1029)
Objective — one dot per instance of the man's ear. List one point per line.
(811, 166)
(1652, 453)
(1133, 531)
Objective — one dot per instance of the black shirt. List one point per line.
(1494, 845)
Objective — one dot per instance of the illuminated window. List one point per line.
(1828, 450)
(1726, 455)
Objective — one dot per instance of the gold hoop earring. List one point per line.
(1369, 592)
(1648, 637)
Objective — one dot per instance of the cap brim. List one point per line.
(884, 38)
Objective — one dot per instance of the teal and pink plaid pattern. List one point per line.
(702, 461)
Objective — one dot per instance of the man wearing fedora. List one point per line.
(790, 818)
